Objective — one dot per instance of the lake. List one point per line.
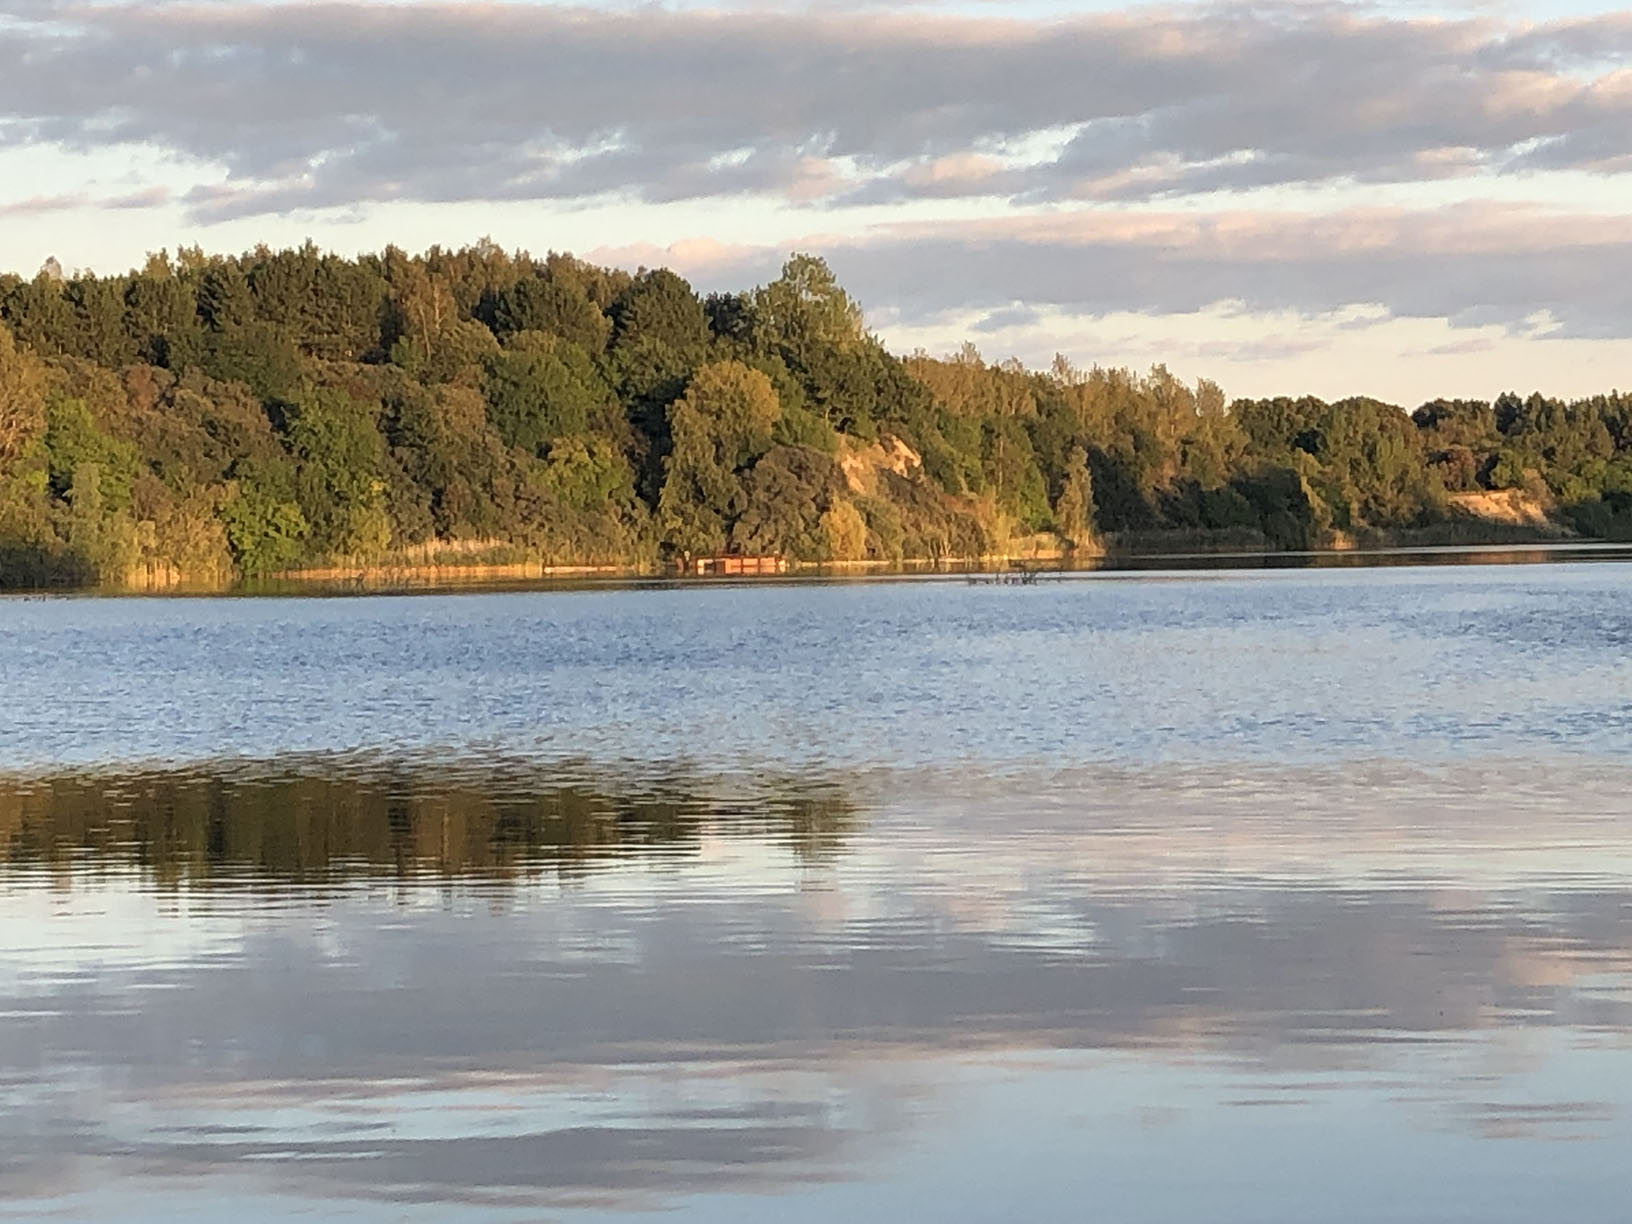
(1285, 895)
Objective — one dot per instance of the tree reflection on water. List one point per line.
(322, 819)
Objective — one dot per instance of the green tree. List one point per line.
(340, 481)
(40, 315)
(802, 309)
(1074, 508)
(99, 320)
(658, 305)
(161, 315)
(720, 426)
(75, 444)
(224, 301)
(787, 494)
(543, 388)
(266, 529)
(22, 397)
(550, 303)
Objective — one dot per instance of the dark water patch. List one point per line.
(329, 818)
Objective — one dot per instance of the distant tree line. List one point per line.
(217, 416)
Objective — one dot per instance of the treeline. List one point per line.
(212, 417)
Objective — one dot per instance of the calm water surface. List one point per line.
(1282, 896)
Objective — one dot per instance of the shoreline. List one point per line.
(1182, 554)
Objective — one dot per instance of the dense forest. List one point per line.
(210, 418)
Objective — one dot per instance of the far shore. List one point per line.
(1131, 552)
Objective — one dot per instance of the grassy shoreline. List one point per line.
(1493, 543)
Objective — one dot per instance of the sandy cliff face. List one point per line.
(1514, 507)
(862, 464)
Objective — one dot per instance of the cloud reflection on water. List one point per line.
(436, 983)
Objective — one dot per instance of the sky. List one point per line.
(1404, 200)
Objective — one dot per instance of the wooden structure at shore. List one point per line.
(735, 565)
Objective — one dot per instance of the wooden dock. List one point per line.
(736, 565)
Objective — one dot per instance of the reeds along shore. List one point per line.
(1008, 569)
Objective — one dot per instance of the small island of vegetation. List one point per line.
(213, 418)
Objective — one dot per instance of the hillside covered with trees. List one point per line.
(213, 417)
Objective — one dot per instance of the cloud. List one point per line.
(1012, 317)
(326, 105)
(1472, 264)
(1102, 153)
(1461, 348)
(35, 206)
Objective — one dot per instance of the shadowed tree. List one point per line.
(550, 303)
(658, 305)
